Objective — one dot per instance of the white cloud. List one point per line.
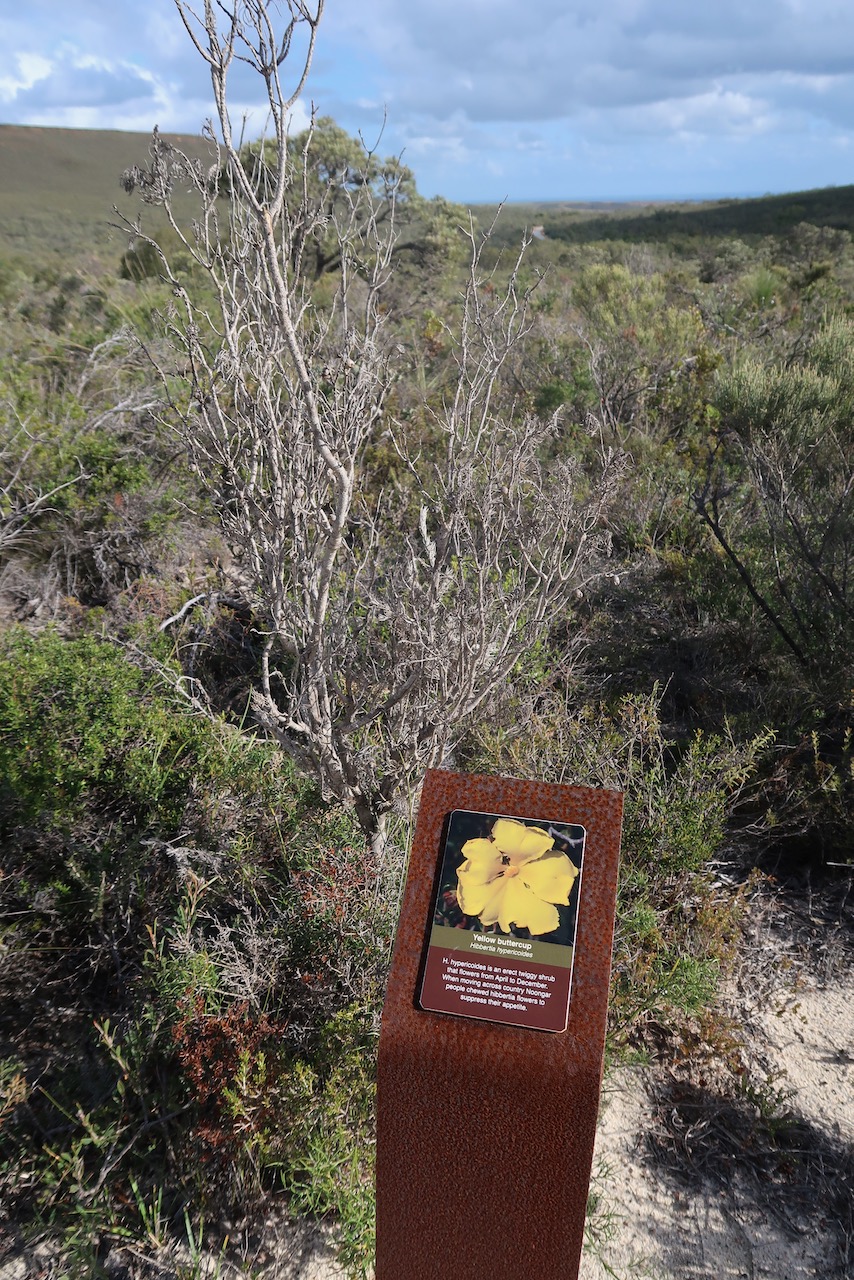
(555, 59)
(475, 87)
(32, 68)
(721, 111)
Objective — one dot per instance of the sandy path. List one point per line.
(657, 1220)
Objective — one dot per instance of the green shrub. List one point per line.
(145, 841)
(778, 498)
(762, 288)
(80, 723)
(84, 455)
(141, 262)
(649, 359)
(674, 931)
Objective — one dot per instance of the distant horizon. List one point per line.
(571, 200)
(655, 199)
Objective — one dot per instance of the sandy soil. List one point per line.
(682, 1210)
(716, 1214)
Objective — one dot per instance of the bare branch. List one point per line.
(389, 617)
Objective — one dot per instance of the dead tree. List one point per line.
(389, 616)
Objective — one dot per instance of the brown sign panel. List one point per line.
(493, 1030)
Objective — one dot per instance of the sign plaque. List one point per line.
(490, 1056)
(523, 877)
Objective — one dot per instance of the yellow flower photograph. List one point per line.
(515, 876)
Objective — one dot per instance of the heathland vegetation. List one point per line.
(284, 520)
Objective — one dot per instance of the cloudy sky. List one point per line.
(486, 99)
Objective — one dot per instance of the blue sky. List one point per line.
(487, 99)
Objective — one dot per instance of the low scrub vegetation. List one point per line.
(193, 947)
(197, 911)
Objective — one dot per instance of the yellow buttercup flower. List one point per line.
(515, 878)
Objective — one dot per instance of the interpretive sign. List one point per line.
(503, 928)
(490, 1054)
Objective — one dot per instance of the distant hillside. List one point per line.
(59, 187)
(766, 215)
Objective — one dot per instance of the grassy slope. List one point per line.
(60, 187)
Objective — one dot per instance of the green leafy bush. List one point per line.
(85, 480)
(81, 722)
(778, 497)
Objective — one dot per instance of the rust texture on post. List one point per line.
(485, 1131)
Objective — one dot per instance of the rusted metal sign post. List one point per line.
(490, 1058)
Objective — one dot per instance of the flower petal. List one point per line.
(482, 858)
(521, 907)
(550, 878)
(483, 900)
(520, 843)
